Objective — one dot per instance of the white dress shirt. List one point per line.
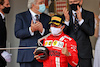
(3, 16)
(34, 20)
(80, 22)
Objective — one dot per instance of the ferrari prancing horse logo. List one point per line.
(54, 43)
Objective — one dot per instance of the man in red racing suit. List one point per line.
(57, 46)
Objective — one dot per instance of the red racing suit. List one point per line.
(55, 45)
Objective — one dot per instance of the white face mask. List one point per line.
(55, 31)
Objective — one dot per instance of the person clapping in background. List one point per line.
(97, 35)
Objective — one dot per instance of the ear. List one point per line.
(81, 2)
(32, 5)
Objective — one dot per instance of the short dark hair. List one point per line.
(1, 2)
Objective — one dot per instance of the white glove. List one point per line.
(6, 56)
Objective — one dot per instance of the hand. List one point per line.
(65, 51)
(33, 26)
(66, 14)
(34, 51)
(79, 15)
(6, 56)
(36, 56)
(39, 26)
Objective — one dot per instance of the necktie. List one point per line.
(37, 17)
(76, 22)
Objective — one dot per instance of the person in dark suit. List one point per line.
(51, 9)
(80, 25)
(29, 27)
(4, 9)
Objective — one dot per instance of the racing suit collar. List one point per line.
(60, 35)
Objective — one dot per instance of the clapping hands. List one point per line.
(36, 26)
(66, 14)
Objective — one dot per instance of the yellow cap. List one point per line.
(57, 20)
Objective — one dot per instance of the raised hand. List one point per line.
(66, 14)
(79, 15)
(65, 51)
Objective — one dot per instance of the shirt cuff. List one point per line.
(42, 32)
(67, 23)
(80, 22)
(32, 33)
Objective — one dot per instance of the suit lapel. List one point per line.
(83, 13)
(41, 18)
(28, 16)
(83, 16)
(71, 19)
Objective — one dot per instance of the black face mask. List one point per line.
(6, 10)
(74, 6)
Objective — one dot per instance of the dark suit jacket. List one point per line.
(22, 24)
(2, 39)
(82, 35)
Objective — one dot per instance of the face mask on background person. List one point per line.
(74, 6)
(6, 10)
(41, 8)
(55, 31)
